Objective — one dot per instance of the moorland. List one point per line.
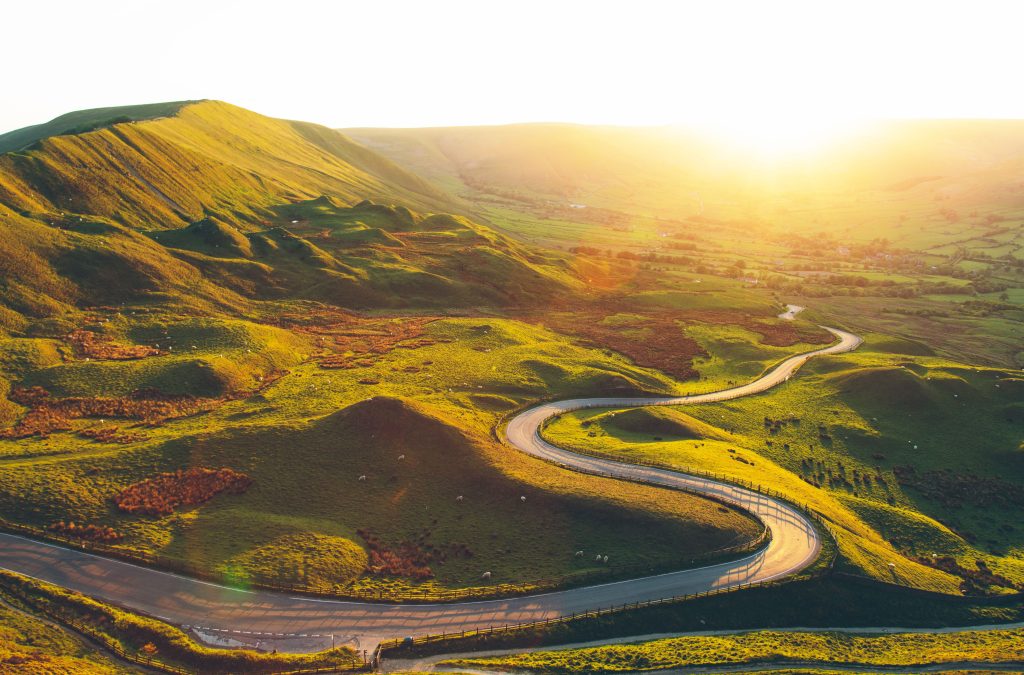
(276, 354)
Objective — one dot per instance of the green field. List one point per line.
(875, 441)
(306, 439)
(775, 647)
(32, 645)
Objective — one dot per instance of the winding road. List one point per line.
(298, 624)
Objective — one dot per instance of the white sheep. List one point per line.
(401, 457)
(485, 575)
(363, 477)
(523, 498)
(605, 560)
(597, 558)
(459, 498)
(579, 554)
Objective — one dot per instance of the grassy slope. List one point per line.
(82, 121)
(903, 649)
(147, 639)
(209, 157)
(231, 208)
(878, 411)
(306, 458)
(30, 645)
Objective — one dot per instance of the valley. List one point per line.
(385, 383)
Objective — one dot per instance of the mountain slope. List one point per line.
(208, 208)
(82, 121)
(208, 157)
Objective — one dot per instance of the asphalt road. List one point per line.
(308, 624)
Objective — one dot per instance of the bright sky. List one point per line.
(787, 65)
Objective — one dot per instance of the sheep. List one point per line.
(605, 560)
(401, 457)
(485, 575)
(459, 498)
(363, 477)
(579, 554)
(597, 558)
(523, 498)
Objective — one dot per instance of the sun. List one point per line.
(769, 137)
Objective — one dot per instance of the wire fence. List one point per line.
(88, 630)
(427, 594)
(822, 566)
(397, 644)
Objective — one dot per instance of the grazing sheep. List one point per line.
(579, 554)
(459, 498)
(363, 477)
(401, 457)
(597, 558)
(485, 575)
(605, 560)
(522, 499)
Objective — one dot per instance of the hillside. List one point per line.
(905, 176)
(207, 208)
(208, 158)
(82, 121)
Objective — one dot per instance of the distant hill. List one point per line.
(902, 176)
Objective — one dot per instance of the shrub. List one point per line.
(161, 494)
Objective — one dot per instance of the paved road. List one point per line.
(274, 618)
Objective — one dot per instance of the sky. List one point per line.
(745, 66)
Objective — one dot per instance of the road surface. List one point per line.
(310, 624)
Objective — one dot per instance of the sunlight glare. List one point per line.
(773, 137)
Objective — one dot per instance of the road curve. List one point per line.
(297, 623)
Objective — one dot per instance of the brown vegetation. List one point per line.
(410, 559)
(656, 338)
(656, 341)
(110, 435)
(101, 533)
(955, 490)
(88, 344)
(161, 494)
(47, 415)
(975, 581)
(352, 341)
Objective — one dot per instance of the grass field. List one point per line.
(306, 439)
(902, 649)
(32, 645)
(140, 640)
(875, 440)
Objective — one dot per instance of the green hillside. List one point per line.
(205, 207)
(208, 158)
(210, 301)
(82, 121)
